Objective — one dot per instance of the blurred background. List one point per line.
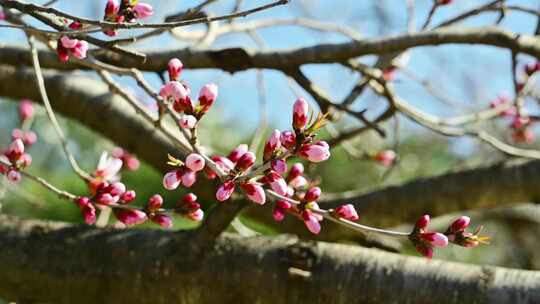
(445, 81)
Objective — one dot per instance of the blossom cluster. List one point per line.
(70, 46)
(126, 11)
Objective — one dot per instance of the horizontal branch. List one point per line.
(152, 266)
(238, 59)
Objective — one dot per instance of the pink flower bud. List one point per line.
(235, 155)
(175, 67)
(298, 182)
(174, 90)
(277, 183)
(128, 196)
(25, 160)
(225, 191)
(118, 152)
(460, 224)
(13, 176)
(16, 134)
(88, 210)
(311, 222)
(223, 163)
(280, 209)
(163, 220)
(188, 122)
(312, 194)
(315, 152)
(29, 138)
(189, 198)
(189, 178)
(254, 192)
(16, 148)
(26, 109)
(195, 162)
(117, 188)
(79, 51)
(62, 52)
(105, 199)
(112, 8)
(171, 180)
(130, 216)
(143, 10)
(296, 170)
(435, 239)
(423, 222)
(131, 163)
(207, 96)
(347, 212)
(196, 216)
(279, 165)
(300, 112)
(154, 202)
(272, 144)
(246, 161)
(385, 158)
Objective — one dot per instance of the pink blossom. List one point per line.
(460, 224)
(171, 180)
(246, 161)
(225, 191)
(79, 51)
(163, 220)
(279, 210)
(312, 194)
(195, 162)
(87, 210)
(288, 140)
(62, 52)
(298, 182)
(235, 155)
(117, 188)
(423, 222)
(296, 170)
(435, 239)
(15, 150)
(25, 160)
(386, 158)
(13, 176)
(112, 8)
(189, 178)
(154, 202)
(311, 222)
(207, 96)
(68, 43)
(276, 182)
(347, 212)
(279, 165)
(175, 67)
(106, 199)
(108, 167)
(197, 215)
(272, 144)
(300, 112)
(315, 152)
(26, 109)
(29, 138)
(128, 196)
(131, 162)
(254, 192)
(223, 163)
(173, 89)
(130, 216)
(188, 122)
(143, 10)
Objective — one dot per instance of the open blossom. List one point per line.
(130, 216)
(300, 113)
(143, 10)
(175, 67)
(254, 192)
(188, 122)
(195, 162)
(207, 96)
(272, 144)
(75, 47)
(26, 109)
(317, 152)
(347, 212)
(225, 191)
(108, 167)
(386, 157)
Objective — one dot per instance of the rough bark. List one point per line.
(238, 59)
(40, 261)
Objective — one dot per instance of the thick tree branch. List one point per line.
(237, 59)
(141, 266)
